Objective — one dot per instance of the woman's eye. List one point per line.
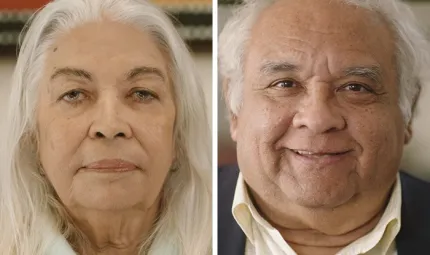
(73, 96)
(143, 95)
(284, 84)
(356, 88)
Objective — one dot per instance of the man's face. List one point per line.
(320, 122)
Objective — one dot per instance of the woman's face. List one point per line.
(105, 117)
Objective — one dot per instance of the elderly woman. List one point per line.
(106, 149)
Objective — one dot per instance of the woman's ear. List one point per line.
(175, 165)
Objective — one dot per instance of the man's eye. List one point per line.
(284, 84)
(355, 87)
(144, 95)
(73, 96)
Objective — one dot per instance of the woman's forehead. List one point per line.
(106, 47)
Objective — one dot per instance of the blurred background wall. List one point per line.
(416, 158)
(193, 19)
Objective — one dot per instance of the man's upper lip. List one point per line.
(322, 151)
(110, 164)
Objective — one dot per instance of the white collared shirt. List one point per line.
(60, 247)
(263, 239)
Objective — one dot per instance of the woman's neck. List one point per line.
(113, 232)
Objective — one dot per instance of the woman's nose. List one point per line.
(110, 121)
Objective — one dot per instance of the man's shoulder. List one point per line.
(415, 195)
(231, 239)
(411, 183)
(228, 172)
(415, 223)
(227, 180)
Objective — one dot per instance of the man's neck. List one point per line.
(326, 230)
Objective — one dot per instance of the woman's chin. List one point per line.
(108, 204)
(111, 191)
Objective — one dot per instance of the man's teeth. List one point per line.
(305, 152)
(308, 153)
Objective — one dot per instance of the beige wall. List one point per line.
(204, 68)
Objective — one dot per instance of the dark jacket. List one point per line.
(413, 238)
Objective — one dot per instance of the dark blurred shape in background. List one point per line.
(193, 19)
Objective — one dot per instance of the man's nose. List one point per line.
(318, 113)
(110, 120)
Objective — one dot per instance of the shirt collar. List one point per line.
(60, 246)
(245, 214)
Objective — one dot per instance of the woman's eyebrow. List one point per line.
(72, 72)
(144, 70)
(81, 73)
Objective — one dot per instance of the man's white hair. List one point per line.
(30, 217)
(412, 55)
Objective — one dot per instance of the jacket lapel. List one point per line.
(231, 239)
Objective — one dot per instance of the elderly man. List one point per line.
(321, 95)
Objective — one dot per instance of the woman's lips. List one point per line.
(110, 165)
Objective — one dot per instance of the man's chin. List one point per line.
(320, 200)
(328, 187)
(320, 195)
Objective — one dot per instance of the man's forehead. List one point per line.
(323, 16)
(301, 29)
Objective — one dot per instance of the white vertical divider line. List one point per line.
(214, 127)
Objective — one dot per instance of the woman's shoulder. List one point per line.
(60, 246)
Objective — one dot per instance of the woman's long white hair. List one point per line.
(29, 222)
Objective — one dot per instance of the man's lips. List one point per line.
(306, 152)
(110, 165)
(319, 157)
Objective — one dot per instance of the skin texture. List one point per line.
(114, 114)
(297, 95)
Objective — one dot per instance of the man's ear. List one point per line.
(233, 126)
(231, 116)
(408, 133)
(408, 129)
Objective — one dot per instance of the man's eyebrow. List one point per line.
(373, 73)
(277, 67)
(74, 72)
(144, 70)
